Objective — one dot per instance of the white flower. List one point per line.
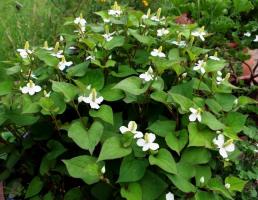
(236, 101)
(158, 53)
(148, 142)
(247, 34)
(92, 99)
(72, 48)
(162, 31)
(184, 75)
(46, 94)
(196, 114)
(214, 58)
(200, 32)
(115, 13)
(227, 185)
(147, 16)
(80, 21)
(155, 18)
(103, 170)
(148, 75)
(180, 44)
(106, 20)
(58, 54)
(46, 47)
(256, 38)
(90, 58)
(30, 88)
(61, 38)
(132, 127)
(219, 78)
(170, 196)
(200, 66)
(24, 53)
(202, 179)
(115, 10)
(63, 64)
(224, 147)
(108, 36)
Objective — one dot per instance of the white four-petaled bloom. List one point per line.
(147, 142)
(170, 196)
(256, 38)
(215, 57)
(247, 34)
(196, 114)
(63, 64)
(200, 66)
(58, 54)
(180, 44)
(202, 179)
(200, 32)
(103, 170)
(148, 75)
(115, 10)
(132, 127)
(227, 185)
(46, 94)
(92, 99)
(158, 53)
(224, 147)
(80, 21)
(219, 78)
(162, 31)
(30, 88)
(108, 36)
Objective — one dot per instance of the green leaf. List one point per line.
(181, 183)
(200, 137)
(6, 87)
(47, 58)
(214, 65)
(183, 101)
(211, 121)
(124, 71)
(194, 155)
(202, 171)
(132, 169)
(162, 127)
(132, 85)
(236, 184)
(148, 40)
(73, 194)
(152, 186)
(86, 139)
(85, 168)
(95, 78)
(177, 140)
(213, 105)
(242, 6)
(111, 94)
(78, 70)
(117, 41)
(164, 160)
(216, 185)
(225, 100)
(68, 90)
(34, 187)
(159, 96)
(236, 121)
(132, 192)
(105, 113)
(201, 195)
(113, 149)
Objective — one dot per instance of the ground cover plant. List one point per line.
(130, 105)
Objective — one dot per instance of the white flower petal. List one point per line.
(230, 147)
(123, 129)
(141, 142)
(151, 137)
(223, 152)
(192, 117)
(138, 134)
(153, 146)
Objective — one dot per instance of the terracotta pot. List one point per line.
(249, 65)
(2, 191)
